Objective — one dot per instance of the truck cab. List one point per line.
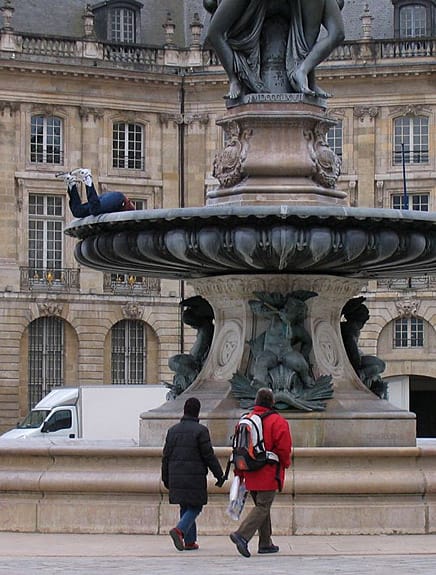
(55, 416)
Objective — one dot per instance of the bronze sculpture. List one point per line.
(249, 36)
(368, 367)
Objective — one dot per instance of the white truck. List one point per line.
(94, 412)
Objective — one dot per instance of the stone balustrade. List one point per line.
(90, 488)
(349, 53)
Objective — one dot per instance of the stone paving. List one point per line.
(400, 565)
(37, 554)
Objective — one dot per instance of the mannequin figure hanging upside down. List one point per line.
(96, 205)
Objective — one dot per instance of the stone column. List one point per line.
(90, 139)
(365, 145)
(195, 158)
(170, 159)
(11, 196)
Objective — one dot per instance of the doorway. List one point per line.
(422, 398)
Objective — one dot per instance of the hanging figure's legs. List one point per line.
(78, 209)
(106, 203)
(85, 176)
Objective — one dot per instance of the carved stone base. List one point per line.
(354, 417)
(276, 152)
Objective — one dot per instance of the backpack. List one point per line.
(248, 447)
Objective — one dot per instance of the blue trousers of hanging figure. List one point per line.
(187, 524)
(104, 204)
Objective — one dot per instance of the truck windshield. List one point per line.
(34, 419)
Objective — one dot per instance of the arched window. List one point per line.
(414, 18)
(128, 146)
(46, 140)
(118, 21)
(45, 357)
(411, 140)
(128, 357)
(413, 21)
(408, 332)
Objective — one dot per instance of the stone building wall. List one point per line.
(372, 81)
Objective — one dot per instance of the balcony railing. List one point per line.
(46, 279)
(44, 46)
(415, 283)
(130, 54)
(350, 52)
(125, 284)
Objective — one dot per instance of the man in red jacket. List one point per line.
(264, 482)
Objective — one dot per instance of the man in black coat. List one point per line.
(187, 456)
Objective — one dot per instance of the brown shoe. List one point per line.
(191, 546)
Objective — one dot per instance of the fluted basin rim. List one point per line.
(89, 226)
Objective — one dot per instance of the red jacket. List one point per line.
(277, 437)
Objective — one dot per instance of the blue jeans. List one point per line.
(104, 204)
(187, 524)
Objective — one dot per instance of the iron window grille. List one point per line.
(128, 356)
(46, 357)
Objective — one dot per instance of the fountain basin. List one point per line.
(187, 243)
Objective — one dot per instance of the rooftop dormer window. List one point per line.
(118, 21)
(122, 25)
(414, 19)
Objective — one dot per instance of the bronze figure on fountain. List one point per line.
(274, 45)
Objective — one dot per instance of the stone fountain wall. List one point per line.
(85, 488)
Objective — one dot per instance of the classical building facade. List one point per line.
(128, 89)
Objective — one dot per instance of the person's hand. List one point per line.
(220, 481)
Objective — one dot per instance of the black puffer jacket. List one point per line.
(187, 456)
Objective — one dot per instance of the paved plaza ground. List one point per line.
(63, 554)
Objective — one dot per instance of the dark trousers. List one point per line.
(104, 204)
(259, 518)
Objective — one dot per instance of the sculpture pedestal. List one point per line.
(276, 154)
(354, 417)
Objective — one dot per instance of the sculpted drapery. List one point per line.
(237, 34)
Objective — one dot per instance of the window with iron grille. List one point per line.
(334, 138)
(409, 332)
(411, 140)
(46, 223)
(128, 146)
(413, 21)
(46, 140)
(45, 357)
(129, 350)
(418, 202)
(123, 25)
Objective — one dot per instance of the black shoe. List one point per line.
(241, 544)
(270, 549)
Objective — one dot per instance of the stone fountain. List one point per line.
(275, 235)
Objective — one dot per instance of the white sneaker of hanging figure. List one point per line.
(83, 175)
(67, 177)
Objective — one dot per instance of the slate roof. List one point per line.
(64, 18)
